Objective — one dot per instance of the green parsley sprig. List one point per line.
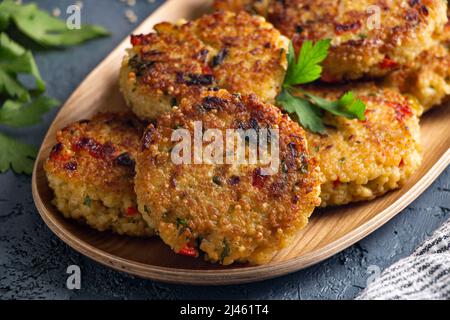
(307, 107)
(20, 105)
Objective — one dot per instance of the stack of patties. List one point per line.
(226, 71)
(228, 212)
(403, 44)
(236, 52)
(369, 38)
(400, 46)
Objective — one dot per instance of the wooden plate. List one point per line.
(329, 231)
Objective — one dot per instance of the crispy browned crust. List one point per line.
(91, 169)
(407, 28)
(427, 78)
(361, 160)
(253, 6)
(87, 152)
(237, 52)
(254, 215)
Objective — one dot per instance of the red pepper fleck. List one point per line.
(388, 63)
(402, 163)
(207, 70)
(56, 153)
(95, 149)
(188, 251)
(402, 111)
(131, 211)
(336, 183)
(137, 39)
(258, 179)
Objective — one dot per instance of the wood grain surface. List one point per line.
(329, 231)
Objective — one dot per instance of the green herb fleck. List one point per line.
(304, 168)
(181, 223)
(87, 201)
(225, 251)
(284, 167)
(217, 180)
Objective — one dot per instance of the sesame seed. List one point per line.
(130, 15)
(56, 12)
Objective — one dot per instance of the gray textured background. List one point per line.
(33, 261)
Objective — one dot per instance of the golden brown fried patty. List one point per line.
(230, 212)
(237, 52)
(253, 6)
(360, 46)
(91, 170)
(361, 160)
(427, 78)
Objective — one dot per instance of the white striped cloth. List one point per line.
(423, 275)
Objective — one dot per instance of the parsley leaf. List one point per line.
(18, 114)
(309, 116)
(15, 60)
(347, 106)
(43, 28)
(16, 155)
(10, 86)
(307, 68)
(306, 106)
(19, 109)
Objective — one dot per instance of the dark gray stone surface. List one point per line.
(33, 261)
